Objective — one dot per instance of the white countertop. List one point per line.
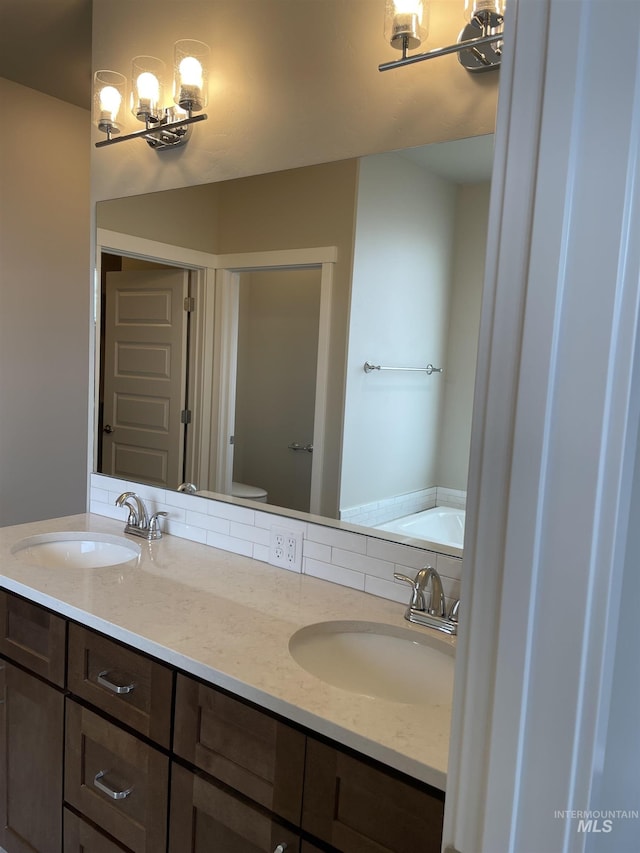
(228, 619)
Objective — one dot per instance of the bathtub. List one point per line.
(442, 524)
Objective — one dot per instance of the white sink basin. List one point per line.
(372, 659)
(76, 549)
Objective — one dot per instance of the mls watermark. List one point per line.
(596, 820)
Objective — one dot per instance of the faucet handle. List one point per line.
(154, 525)
(453, 612)
(417, 584)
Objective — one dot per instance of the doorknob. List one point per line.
(108, 428)
(296, 446)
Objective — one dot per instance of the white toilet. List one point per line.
(250, 493)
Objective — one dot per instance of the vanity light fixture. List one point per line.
(479, 45)
(164, 127)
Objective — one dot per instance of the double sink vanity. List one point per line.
(166, 695)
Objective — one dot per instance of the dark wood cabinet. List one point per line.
(206, 818)
(130, 686)
(359, 808)
(245, 748)
(81, 837)
(116, 780)
(33, 637)
(31, 723)
(133, 756)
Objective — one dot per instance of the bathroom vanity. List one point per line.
(154, 705)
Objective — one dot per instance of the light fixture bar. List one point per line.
(151, 133)
(468, 44)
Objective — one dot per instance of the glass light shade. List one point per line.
(489, 11)
(191, 74)
(406, 23)
(147, 75)
(108, 94)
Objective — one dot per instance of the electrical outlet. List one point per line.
(285, 548)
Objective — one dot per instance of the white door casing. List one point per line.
(556, 418)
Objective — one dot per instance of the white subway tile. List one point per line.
(361, 563)
(231, 512)
(228, 543)
(185, 531)
(405, 555)
(387, 589)
(335, 574)
(316, 551)
(249, 532)
(337, 538)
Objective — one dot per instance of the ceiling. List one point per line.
(46, 45)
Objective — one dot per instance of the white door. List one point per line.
(145, 375)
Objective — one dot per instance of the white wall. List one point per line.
(400, 302)
(44, 306)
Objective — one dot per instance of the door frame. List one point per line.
(201, 364)
(212, 356)
(227, 297)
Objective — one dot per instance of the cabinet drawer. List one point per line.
(33, 637)
(81, 837)
(126, 684)
(116, 780)
(243, 747)
(363, 809)
(31, 719)
(206, 819)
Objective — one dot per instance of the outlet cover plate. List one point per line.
(285, 548)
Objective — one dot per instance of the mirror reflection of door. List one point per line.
(144, 375)
(278, 322)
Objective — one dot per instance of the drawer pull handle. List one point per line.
(106, 789)
(119, 689)
(280, 848)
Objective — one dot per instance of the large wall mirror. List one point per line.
(268, 338)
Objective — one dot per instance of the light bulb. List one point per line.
(191, 72)
(148, 87)
(490, 12)
(405, 23)
(110, 100)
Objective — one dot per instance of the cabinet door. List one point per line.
(31, 719)
(116, 780)
(206, 819)
(81, 837)
(133, 688)
(33, 637)
(362, 809)
(240, 745)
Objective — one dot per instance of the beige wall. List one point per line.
(292, 83)
(469, 250)
(44, 306)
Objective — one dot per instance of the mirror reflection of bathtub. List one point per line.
(441, 525)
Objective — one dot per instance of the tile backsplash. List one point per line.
(330, 551)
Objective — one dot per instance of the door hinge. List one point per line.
(185, 416)
(231, 437)
(189, 303)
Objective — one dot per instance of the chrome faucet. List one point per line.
(139, 523)
(433, 615)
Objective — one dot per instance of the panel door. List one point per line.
(33, 637)
(31, 723)
(363, 809)
(207, 819)
(116, 780)
(243, 747)
(145, 375)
